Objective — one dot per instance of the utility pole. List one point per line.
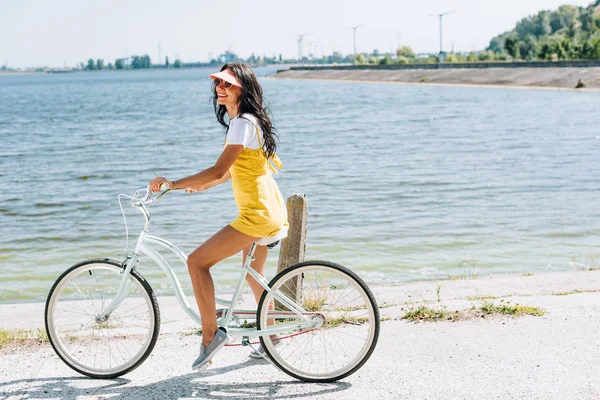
(159, 54)
(300, 46)
(354, 28)
(441, 44)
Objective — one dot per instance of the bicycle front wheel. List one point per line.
(343, 314)
(87, 340)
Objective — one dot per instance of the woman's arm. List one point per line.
(209, 185)
(215, 173)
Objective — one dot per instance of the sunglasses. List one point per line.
(219, 82)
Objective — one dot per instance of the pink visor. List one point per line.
(227, 76)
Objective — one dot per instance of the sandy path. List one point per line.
(550, 357)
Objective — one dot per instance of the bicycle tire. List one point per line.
(370, 305)
(58, 343)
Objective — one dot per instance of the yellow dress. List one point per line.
(262, 210)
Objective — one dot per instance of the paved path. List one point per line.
(555, 356)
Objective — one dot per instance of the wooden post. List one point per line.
(294, 245)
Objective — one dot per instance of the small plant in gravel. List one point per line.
(345, 320)
(424, 313)
(574, 292)
(22, 336)
(246, 324)
(313, 303)
(489, 308)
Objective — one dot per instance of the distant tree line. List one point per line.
(568, 33)
(134, 62)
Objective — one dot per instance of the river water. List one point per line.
(404, 182)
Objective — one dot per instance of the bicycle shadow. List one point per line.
(56, 388)
(187, 386)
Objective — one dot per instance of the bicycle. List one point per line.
(316, 320)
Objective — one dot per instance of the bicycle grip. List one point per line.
(164, 186)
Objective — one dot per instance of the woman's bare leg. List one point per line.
(260, 257)
(220, 246)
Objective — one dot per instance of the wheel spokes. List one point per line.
(85, 340)
(347, 323)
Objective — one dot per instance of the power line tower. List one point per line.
(441, 55)
(301, 46)
(354, 28)
(159, 54)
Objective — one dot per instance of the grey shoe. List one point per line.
(259, 353)
(207, 352)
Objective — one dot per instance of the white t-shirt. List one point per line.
(242, 130)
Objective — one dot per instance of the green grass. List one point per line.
(424, 313)
(352, 308)
(489, 308)
(246, 324)
(475, 298)
(463, 276)
(313, 304)
(345, 319)
(574, 292)
(350, 320)
(22, 336)
(105, 325)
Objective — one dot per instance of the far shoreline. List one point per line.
(456, 85)
(551, 78)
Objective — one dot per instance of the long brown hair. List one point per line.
(250, 102)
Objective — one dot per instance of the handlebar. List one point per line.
(140, 199)
(146, 195)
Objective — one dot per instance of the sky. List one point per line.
(57, 33)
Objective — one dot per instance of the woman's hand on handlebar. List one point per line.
(156, 183)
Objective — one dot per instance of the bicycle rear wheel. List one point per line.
(96, 346)
(346, 315)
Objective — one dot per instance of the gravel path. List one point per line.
(554, 356)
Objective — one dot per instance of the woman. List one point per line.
(246, 159)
